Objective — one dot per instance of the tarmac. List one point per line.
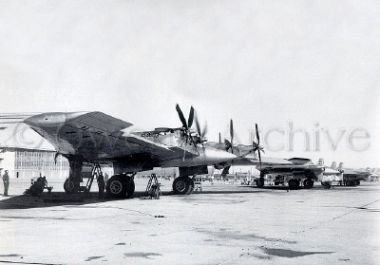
(223, 224)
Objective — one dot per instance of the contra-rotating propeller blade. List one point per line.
(191, 118)
(181, 116)
(232, 131)
(257, 134)
(201, 133)
(197, 125)
(258, 148)
(229, 143)
(204, 132)
(187, 126)
(259, 153)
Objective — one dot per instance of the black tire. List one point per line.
(181, 185)
(326, 184)
(260, 182)
(117, 187)
(69, 186)
(349, 183)
(308, 183)
(293, 184)
(130, 188)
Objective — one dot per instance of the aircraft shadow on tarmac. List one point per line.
(61, 198)
(314, 188)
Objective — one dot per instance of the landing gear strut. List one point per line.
(260, 182)
(121, 186)
(72, 183)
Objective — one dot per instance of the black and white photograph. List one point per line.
(189, 132)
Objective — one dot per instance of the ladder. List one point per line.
(153, 188)
(96, 172)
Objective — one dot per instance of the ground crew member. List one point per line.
(101, 186)
(6, 182)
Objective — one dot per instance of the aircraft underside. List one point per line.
(294, 178)
(122, 185)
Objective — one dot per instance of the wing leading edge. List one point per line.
(95, 135)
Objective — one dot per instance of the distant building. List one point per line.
(27, 155)
(29, 163)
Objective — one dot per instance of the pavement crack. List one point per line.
(353, 209)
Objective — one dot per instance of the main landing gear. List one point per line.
(69, 186)
(118, 186)
(183, 185)
(72, 183)
(121, 186)
(294, 180)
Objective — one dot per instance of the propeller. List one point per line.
(201, 133)
(256, 147)
(228, 146)
(186, 125)
(229, 143)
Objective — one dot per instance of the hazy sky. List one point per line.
(272, 62)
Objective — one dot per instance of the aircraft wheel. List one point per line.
(308, 183)
(349, 183)
(357, 182)
(260, 183)
(293, 184)
(130, 188)
(326, 184)
(181, 185)
(69, 186)
(116, 187)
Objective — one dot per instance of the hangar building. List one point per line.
(26, 155)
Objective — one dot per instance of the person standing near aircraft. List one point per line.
(6, 182)
(101, 186)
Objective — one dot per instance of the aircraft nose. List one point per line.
(33, 121)
(45, 120)
(219, 156)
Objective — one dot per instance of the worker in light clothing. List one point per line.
(6, 182)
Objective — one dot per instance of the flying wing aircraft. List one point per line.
(293, 171)
(96, 137)
(351, 177)
(300, 171)
(246, 155)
